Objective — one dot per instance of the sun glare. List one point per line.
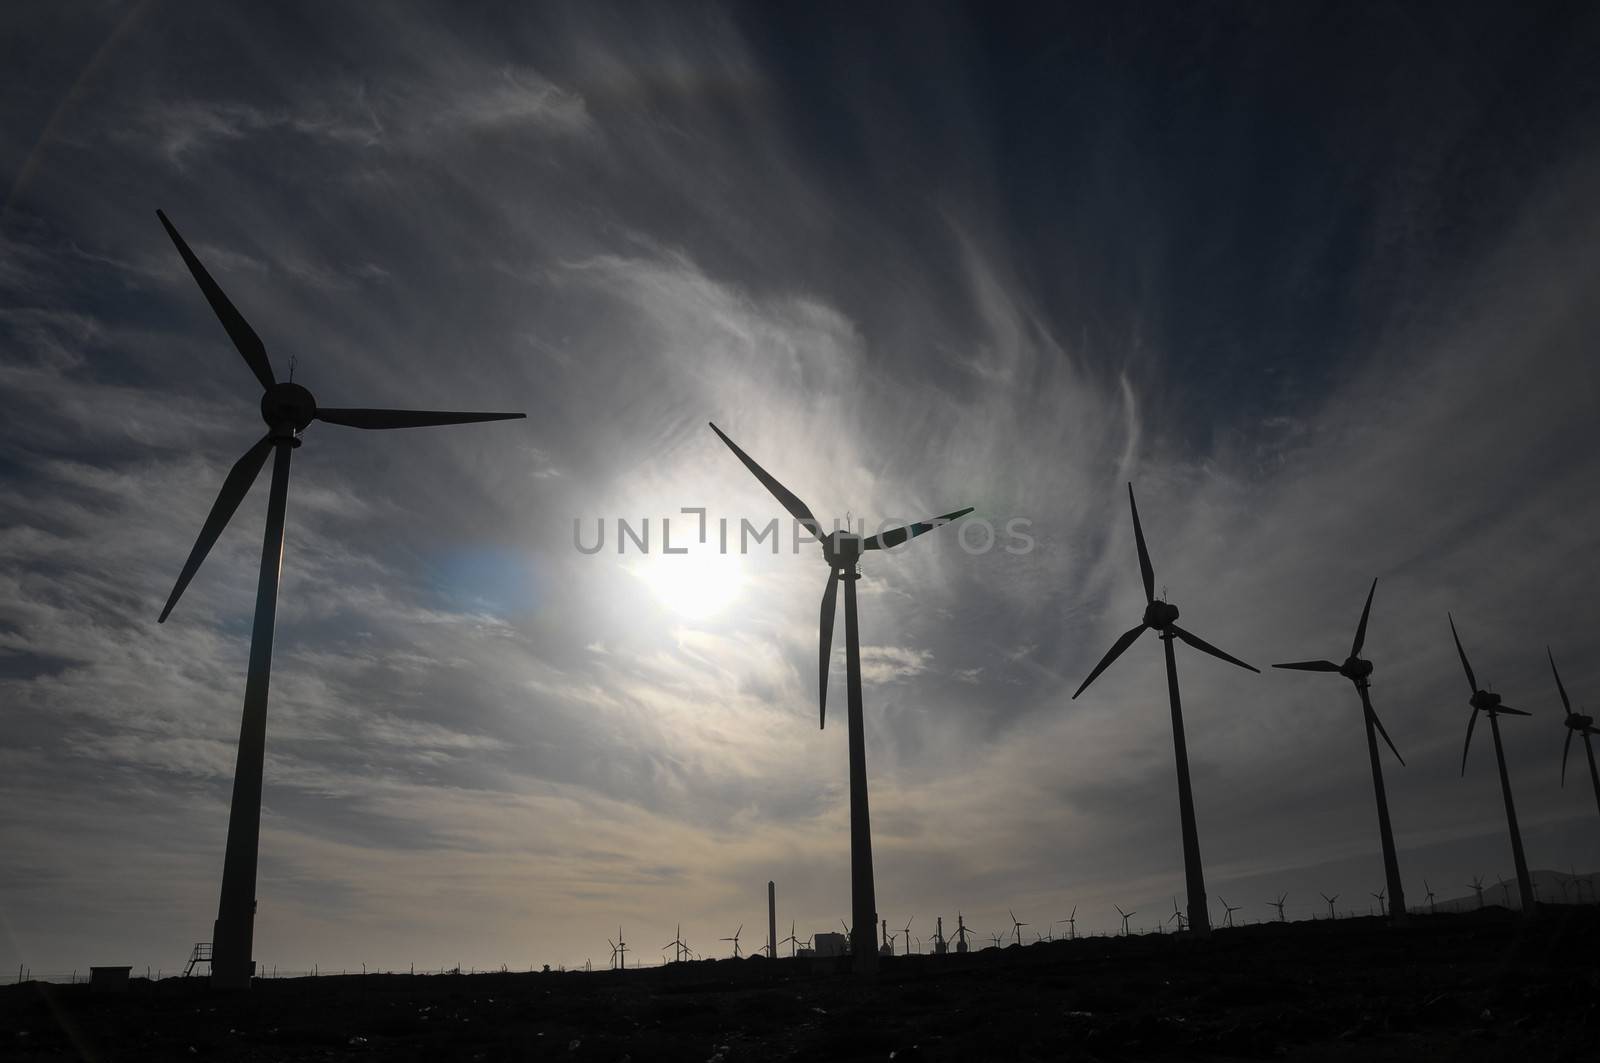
(697, 585)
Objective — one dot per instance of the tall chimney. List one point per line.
(772, 921)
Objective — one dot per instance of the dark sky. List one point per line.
(1318, 278)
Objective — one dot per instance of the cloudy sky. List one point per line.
(1318, 280)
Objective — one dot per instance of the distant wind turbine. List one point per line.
(1161, 616)
(1278, 904)
(842, 551)
(1359, 672)
(1485, 702)
(1228, 910)
(1433, 907)
(1477, 887)
(1176, 916)
(791, 941)
(1072, 923)
(1577, 723)
(1125, 917)
(676, 944)
(961, 933)
(288, 409)
(735, 940)
(1016, 927)
(1330, 901)
(1377, 897)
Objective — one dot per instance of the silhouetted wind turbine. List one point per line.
(735, 940)
(996, 938)
(1161, 616)
(906, 936)
(288, 408)
(842, 551)
(791, 941)
(1477, 887)
(1359, 672)
(1278, 904)
(1377, 897)
(1228, 910)
(676, 944)
(1125, 917)
(619, 951)
(1176, 916)
(1505, 889)
(1330, 901)
(1577, 723)
(1072, 923)
(1433, 907)
(961, 933)
(1484, 701)
(1016, 927)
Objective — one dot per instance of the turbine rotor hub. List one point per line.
(288, 405)
(1486, 701)
(1356, 669)
(1578, 722)
(1160, 615)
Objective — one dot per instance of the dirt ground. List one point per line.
(1451, 987)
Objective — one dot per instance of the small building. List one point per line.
(108, 979)
(829, 944)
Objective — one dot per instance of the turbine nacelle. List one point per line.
(1484, 701)
(288, 404)
(1579, 722)
(1355, 669)
(1160, 615)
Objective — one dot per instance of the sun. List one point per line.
(697, 585)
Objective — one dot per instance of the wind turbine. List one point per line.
(906, 935)
(1359, 672)
(288, 408)
(676, 944)
(1577, 723)
(961, 933)
(996, 938)
(1330, 901)
(1433, 907)
(1483, 701)
(1477, 887)
(1377, 897)
(1016, 927)
(1072, 923)
(842, 551)
(940, 946)
(735, 940)
(1278, 904)
(1229, 909)
(1505, 888)
(1176, 916)
(1125, 917)
(619, 951)
(791, 941)
(1161, 616)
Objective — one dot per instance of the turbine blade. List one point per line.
(825, 648)
(370, 419)
(1513, 712)
(1472, 722)
(1379, 724)
(797, 509)
(1201, 644)
(895, 536)
(234, 488)
(1361, 628)
(1566, 747)
(243, 336)
(1559, 687)
(1310, 666)
(1472, 680)
(1112, 654)
(1148, 573)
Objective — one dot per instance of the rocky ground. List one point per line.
(1460, 987)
